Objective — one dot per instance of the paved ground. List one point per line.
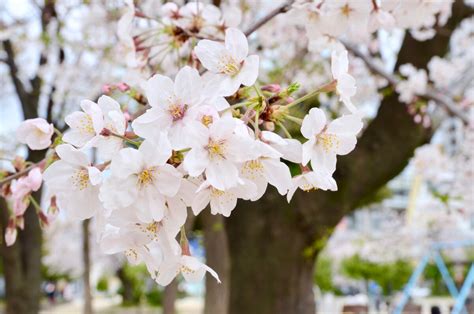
(112, 306)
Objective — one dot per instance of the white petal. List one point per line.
(339, 63)
(313, 123)
(159, 89)
(278, 174)
(323, 161)
(236, 43)
(152, 123)
(195, 161)
(209, 53)
(249, 72)
(95, 176)
(188, 85)
(168, 180)
(128, 161)
(201, 200)
(71, 155)
(222, 174)
(157, 152)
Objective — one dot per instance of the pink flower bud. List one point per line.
(273, 88)
(123, 87)
(417, 118)
(43, 219)
(10, 233)
(105, 132)
(127, 116)
(107, 88)
(20, 222)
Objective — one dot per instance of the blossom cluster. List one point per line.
(327, 21)
(206, 139)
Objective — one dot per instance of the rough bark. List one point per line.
(273, 245)
(87, 267)
(217, 257)
(269, 271)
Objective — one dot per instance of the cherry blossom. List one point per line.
(216, 152)
(36, 133)
(175, 107)
(185, 124)
(326, 140)
(87, 126)
(74, 182)
(141, 179)
(312, 180)
(22, 188)
(229, 65)
(177, 261)
(345, 82)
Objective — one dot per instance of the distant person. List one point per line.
(435, 310)
(50, 290)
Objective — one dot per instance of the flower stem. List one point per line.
(285, 130)
(137, 144)
(325, 88)
(294, 119)
(35, 203)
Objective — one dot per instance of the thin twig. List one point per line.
(430, 94)
(19, 173)
(281, 9)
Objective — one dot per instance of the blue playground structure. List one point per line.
(434, 253)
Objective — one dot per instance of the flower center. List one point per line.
(207, 120)
(85, 125)
(80, 179)
(329, 142)
(131, 254)
(177, 111)
(228, 65)
(216, 149)
(307, 187)
(146, 177)
(151, 229)
(346, 10)
(253, 169)
(216, 193)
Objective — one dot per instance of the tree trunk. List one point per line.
(127, 287)
(273, 245)
(22, 261)
(217, 257)
(169, 297)
(271, 269)
(87, 267)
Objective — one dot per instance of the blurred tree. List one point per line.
(267, 238)
(22, 261)
(323, 275)
(133, 279)
(391, 276)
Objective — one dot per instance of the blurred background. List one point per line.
(420, 210)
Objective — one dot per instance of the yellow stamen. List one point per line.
(329, 142)
(146, 177)
(80, 179)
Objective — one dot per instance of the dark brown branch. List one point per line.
(430, 94)
(22, 93)
(281, 9)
